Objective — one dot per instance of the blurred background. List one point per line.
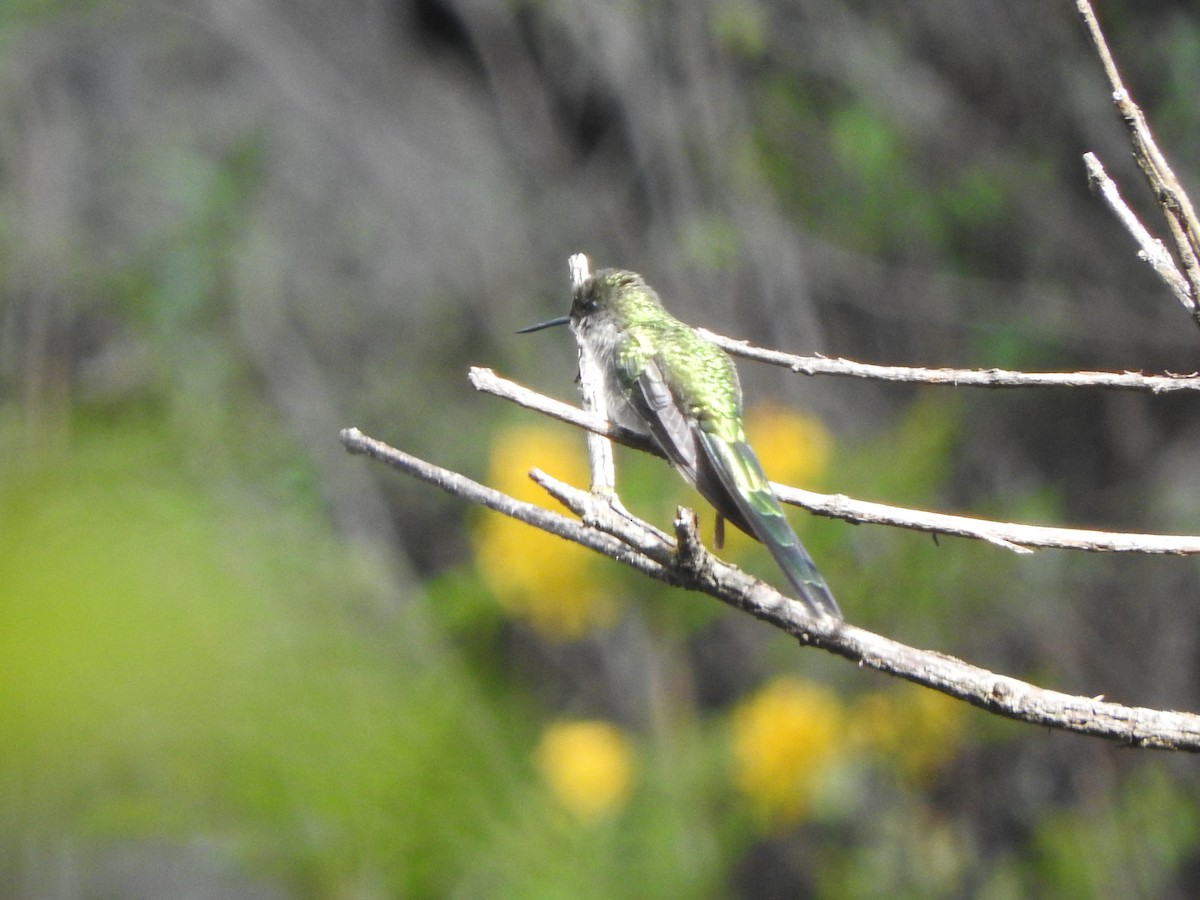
(236, 662)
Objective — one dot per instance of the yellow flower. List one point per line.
(937, 722)
(793, 448)
(588, 766)
(546, 581)
(786, 739)
(916, 729)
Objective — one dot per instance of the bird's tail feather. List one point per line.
(756, 511)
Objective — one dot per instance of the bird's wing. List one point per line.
(679, 437)
(651, 397)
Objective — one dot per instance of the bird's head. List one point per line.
(609, 292)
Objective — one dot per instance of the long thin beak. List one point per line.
(561, 320)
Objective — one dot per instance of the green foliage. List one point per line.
(172, 664)
(711, 242)
(187, 252)
(1174, 113)
(16, 14)
(1084, 852)
(666, 843)
(740, 27)
(855, 176)
(920, 446)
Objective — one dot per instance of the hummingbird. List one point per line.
(661, 378)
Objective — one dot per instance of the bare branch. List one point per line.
(1171, 197)
(487, 381)
(600, 458)
(1152, 250)
(635, 544)
(1011, 536)
(991, 378)
(481, 495)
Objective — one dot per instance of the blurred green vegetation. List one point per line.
(182, 660)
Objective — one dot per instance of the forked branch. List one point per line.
(1010, 535)
(1168, 192)
(640, 546)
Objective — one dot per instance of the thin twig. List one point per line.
(1151, 249)
(487, 381)
(600, 458)
(481, 495)
(633, 543)
(1011, 536)
(1171, 197)
(990, 378)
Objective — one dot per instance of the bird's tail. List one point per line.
(750, 505)
(802, 572)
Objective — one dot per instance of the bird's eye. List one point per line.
(585, 301)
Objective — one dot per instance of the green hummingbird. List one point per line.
(662, 379)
